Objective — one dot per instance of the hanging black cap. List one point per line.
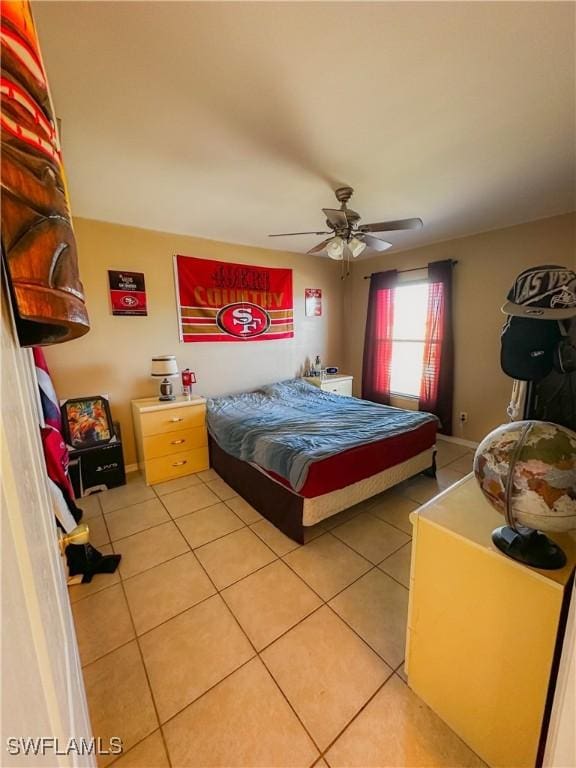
(543, 293)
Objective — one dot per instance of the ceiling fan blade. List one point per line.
(389, 226)
(374, 242)
(289, 234)
(336, 217)
(320, 246)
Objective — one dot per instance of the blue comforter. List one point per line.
(286, 427)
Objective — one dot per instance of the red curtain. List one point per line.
(437, 387)
(378, 338)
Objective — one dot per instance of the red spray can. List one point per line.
(188, 378)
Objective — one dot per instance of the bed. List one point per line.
(298, 454)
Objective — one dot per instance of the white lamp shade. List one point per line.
(356, 247)
(335, 248)
(164, 366)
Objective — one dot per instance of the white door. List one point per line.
(561, 742)
(42, 688)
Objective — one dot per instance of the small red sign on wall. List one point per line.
(313, 302)
(127, 293)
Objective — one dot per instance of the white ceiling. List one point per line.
(234, 120)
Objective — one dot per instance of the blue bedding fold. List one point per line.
(286, 427)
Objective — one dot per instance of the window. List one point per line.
(408, 335)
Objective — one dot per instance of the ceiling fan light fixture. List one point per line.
(335, 248)
(348, 239)
(356, 246)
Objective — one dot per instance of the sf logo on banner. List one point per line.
(243, 320)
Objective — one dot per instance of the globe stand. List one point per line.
(529, 547)
(526, 545)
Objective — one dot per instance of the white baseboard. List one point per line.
(131, 468)
(458, 441)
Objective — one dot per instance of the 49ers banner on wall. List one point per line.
(222, 301)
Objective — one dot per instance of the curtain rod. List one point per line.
(401, 271)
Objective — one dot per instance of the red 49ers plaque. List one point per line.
(127, 293)
(223, 301)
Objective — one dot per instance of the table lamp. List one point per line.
(165, 367)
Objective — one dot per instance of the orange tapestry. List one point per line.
(38, 243)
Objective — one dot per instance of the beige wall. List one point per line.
(487, 266)
(114, 357)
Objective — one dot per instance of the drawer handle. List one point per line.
(180, 463)
(177, 418)
(177, 442)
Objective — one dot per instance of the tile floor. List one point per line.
(221, 642)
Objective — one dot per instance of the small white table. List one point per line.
(339, 383)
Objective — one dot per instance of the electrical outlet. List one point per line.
(463, 416)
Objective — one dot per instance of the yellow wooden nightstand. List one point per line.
(482, 628)
(171, 437)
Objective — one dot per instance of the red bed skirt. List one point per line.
(356, 464)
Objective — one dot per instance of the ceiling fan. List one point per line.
(347, 236)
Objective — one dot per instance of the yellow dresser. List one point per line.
(482, 628)
(171, 437)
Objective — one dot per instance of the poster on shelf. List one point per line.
(127, 293)
(224, 301)
(87, 421)
(313, 302)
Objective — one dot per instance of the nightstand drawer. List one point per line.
(338, 384)
(174, 442)
(176, 465)
(171, 419)
(338, 387)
